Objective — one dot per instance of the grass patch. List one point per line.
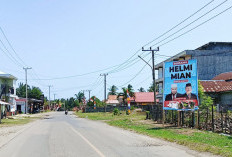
(203, 141)
(21, 121)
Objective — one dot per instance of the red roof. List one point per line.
(216, 86)
(144, 97)
(223, 76)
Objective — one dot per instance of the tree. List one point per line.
(205, 100)
(141, 89)
(124, 92)
(113, 90)
(151, 88)
(34, 92)
(99, 103)
(80, 97)
(21, 90)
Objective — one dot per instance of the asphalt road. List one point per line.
(68, 136)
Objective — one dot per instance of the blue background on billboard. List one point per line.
(180, 86)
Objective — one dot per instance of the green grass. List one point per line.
(12, 122)
(194, 139)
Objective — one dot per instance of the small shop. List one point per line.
(5, 109)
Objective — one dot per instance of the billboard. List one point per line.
(180, 85)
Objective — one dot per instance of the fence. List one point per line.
(102, 109)
(204, 119)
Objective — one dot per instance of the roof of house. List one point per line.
(5, 75)
(112, 99)
(212, 45)
(223, 76)
(144, 97)
(216, 86)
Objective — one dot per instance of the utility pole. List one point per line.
(26, 68)
(105, 74)
(89, 93)
(49, 96)
(54, 97)
(153, 70)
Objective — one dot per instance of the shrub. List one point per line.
(116, 111)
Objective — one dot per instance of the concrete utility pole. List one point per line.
(26, 68)
(153, 70)
(49, 96)
(105, 74)
(89, 93)
(54, 97)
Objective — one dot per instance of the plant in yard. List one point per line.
(116, 111)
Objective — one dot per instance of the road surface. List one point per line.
(61, 135)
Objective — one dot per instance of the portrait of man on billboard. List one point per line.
(188, 92)
(173, 95)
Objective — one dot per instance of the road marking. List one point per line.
(87, 141)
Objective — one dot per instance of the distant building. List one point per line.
(143, 98)
(34, 105)
(213, 59)
(112, 100)
(220, 89)
(8, 93)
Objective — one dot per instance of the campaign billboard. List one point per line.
(180, 85)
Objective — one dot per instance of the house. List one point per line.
(112, 100)
(8, 93)
(34, 105)
(220, 89)
(212, 58)
(143, 98)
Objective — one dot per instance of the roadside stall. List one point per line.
(5, 109)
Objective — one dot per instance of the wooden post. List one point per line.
(182, 118)
(222, 118)
(212, 119)
(163, 117)
(172, 117)
(198, 119)
(193, 119)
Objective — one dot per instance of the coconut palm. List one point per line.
(113, 90)
(141, 89)
(124, 92)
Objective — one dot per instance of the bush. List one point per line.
(116, 111)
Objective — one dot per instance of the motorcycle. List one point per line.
(66, 112)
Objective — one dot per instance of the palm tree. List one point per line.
(151, 88)
(124, 92)
(113, 90)
(141, 89)
(80, 96)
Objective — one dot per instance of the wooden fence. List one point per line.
(204, 119)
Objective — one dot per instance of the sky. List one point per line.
(62, 40)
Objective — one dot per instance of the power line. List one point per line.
(9, 56)
(135, 75)
(190, 23)
(11, 46)
(179, 23)
(196, 26)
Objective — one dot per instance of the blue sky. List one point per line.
(63, 38)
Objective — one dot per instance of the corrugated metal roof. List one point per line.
(216, 86)
(223, 76)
